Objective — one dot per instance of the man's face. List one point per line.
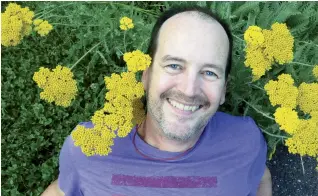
(186, 83)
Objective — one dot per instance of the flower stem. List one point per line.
(125, 41)
(74, 25)
(237, 37)
(257, 110)
(84, 55)
(302, 164)
(120, 51)
(257, 87)
(298, 63)
(136, 8)
(41, 14)
(273, 135)
(308, 43)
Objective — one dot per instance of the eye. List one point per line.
(174, 66)
(210, 74)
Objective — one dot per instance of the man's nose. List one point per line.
(189, 84)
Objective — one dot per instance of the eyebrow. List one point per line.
(178, 59)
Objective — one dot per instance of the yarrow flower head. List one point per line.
(266, 46)
(256, 60)
(122, 110)
(124, 102)
(308, 97)
(42, 27)
(15, 24)
(279, 43)
(282, 92)
(137, 61)
(305, 139)
(93, 141)
(315, 71)
(126, 23)
(287, 119)
(58, 85)
(253, 35)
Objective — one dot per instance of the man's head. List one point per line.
(186, 82)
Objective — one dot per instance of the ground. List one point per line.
(287, 174)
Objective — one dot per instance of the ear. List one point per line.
(145, 77)
(223, 93)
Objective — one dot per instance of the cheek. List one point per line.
(214, 92)
(161, 82)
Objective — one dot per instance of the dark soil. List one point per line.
(287, 174)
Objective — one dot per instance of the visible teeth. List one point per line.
(183, 107)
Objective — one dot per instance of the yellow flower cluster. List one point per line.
(254, 36)
(315, 71)
(256, 60)
(287, 119)
(137, 60)
(282, 92)
(308, 97)
(279, 43)
(266, 46)
(15, 24)
(305, 139)
(58, 85)
(93, 141)
(126, 23)
(123, 103)
(123, 109)
(42, 27)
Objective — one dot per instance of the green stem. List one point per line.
(257, 110)
(120, 51)
(302, 164)
(125, 41)
(237, 37)
(60, 16)
(39, 14)
(257, 87)
(278, 136)
(309, 43)
(84, 55)
(304, 64)
(136, 8)
(74, 25)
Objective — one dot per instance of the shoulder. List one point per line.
(235, 124)
(239, 131)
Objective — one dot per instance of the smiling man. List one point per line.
(186, 82)
(184, 147)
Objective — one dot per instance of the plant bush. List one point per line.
(86, 36)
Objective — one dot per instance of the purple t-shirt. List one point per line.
(228, 160)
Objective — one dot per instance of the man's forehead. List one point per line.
(196, 33)
(185, 19)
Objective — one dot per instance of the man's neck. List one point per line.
(153, 136)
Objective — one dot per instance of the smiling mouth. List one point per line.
(184, 107)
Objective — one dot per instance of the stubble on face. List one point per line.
(169, 129)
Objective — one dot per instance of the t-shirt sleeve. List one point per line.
(258, 167)
(68, 180)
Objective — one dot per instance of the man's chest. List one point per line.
(144, 178)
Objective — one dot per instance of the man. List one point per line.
(184, 147)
